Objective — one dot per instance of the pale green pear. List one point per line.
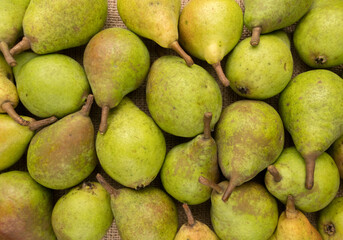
(21, 60)
(336, 152)
(330, 222)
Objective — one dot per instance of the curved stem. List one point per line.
(190, 218)
(177, 48)
(86, 108)
(34, 125)
(228, 190)
(8, 108)
(220, 73)
(6, 52)
(104, 115)
(310, 161)
(210, 184)
(111, 190)
(255, 37)
(207, 125)
(275, 173)
(21, 46)
(291, 212)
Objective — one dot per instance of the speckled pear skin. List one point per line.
(25, 209)
(249, 203)
(83, 213)
(21, 60)
(336, 152)
(5, 69)
(291, 167)
(8, 91)
(330, 222)
(55, 25)
(195, 232)
(133, 148)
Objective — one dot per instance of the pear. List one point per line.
(264, 16)
(52, 85)
(84, 213)
(25, 209)
(63, 154)
(293, 225)
(311, 107)
(289, 170)
(209, 30)
(49, 27)
(251, 213)
(11, 18)
(336, 152)
(15, 138)
(318, 36)
(133, 148)
(330, 222)
(155, 20)
(250, 136)
(116, 62)
(22, 59)
(186, 162)
(146, 214)
(178, 96)
(194, 230)
(267, 70)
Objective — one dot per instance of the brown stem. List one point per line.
(291, 212)
(177, 48)
(207, 125)
(210, 184)
(330, 229)
(86, 108)
(111, 190)
(8, 108)
(228, 190)
(220, 73)
(34, 125)
(255, 37)
(275, 173)
(189, 214)
(21, 46)
(310, 161)
(104, 115)
(6, 52)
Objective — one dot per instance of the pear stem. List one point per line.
(330, 229)
(6, 52)
(111, 190)
(104, 115)
(275, 173)
(207, 125)
(210, 184)
(228, 190)
(310, 161)
(189, 214)
(177, 48)
(86, 108)
(34, 125)
(220, 73)
(8, 108)
(290, 207)
(255, 37)
(21, 46)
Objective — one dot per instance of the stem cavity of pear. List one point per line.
(9, 109)
(177, 48)
(6, 53)
(255, 37)
(275, 173)
(210, 184)
(190, 218)
(207, 125)
(220, 73)
(104, 115)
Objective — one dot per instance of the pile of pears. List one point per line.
(183, 119)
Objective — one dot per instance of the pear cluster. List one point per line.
(189, 112)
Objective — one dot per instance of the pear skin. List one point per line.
(336, 152)
(330, 221)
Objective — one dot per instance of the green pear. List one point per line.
(116, 62)
(22, 59)
(63, 154)
(287, 177)
(336, 152)
(178, 96)
(52, 84)
(25, 209)
(194, 230)
(318, 36)
(264, 16)
(250, 136)
(267, 70)
(209, 30)
(330, 222)
(186, 162)
(311, 107)
(133, 148)
(49, 27)
(84, 213)
(146, 214)
(155, 20)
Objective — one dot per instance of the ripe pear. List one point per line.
(186, 162)
(52, 85)
(84, 213)
(311, 107)
(264, 16)
(194, 230)
(318, 36)
(146, 214)
(289, 170)
(50, 26)
(133, 148)
(63, 154)
(21, 60)
(336, 152)
(155, 20)
(250, 136)
(116, 62)
(267, 70)
(330, 222)
(25, 209)
(209, 30)
(178, 96)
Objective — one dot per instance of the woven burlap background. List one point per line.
(200, 212)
